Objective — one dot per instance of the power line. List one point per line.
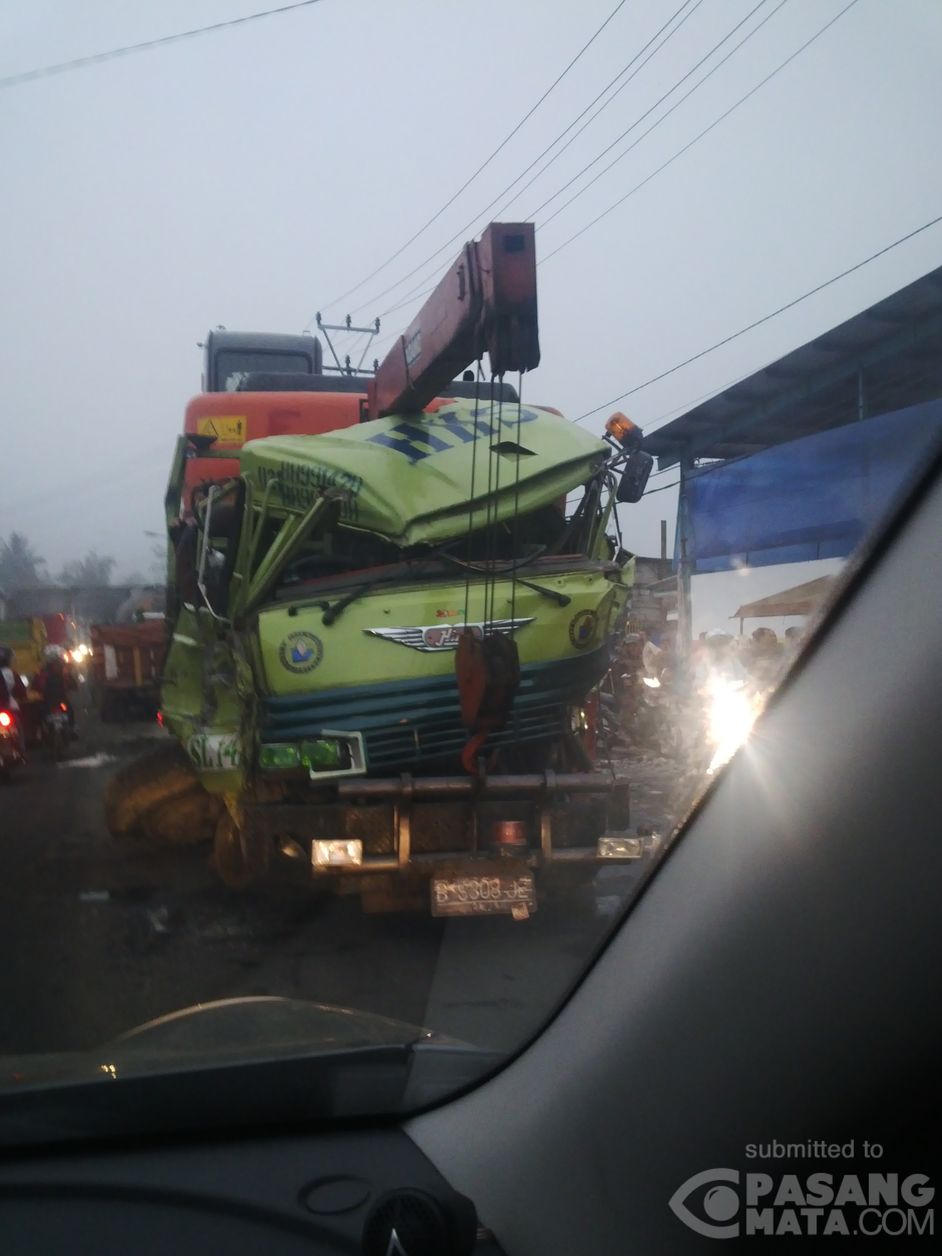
(608, 148)
(461, 232)
(661, 488)
(663, 118)
(680, 152)
(764, 319)
(79, 63)
(484, 164)
(621, 88)
(414, 296)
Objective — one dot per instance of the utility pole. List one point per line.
(685, 564)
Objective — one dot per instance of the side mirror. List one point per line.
(634, 478)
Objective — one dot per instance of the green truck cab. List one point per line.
(317, 603)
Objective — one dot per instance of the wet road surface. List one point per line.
(99, 936)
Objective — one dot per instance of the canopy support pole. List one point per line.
(685, 565)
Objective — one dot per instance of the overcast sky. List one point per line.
(250, 176)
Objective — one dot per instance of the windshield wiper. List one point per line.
(561, 599)
(333, 610)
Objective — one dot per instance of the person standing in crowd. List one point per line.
(766, 658)
(651, 656)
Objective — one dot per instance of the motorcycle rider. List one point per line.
(12, 692)
(718, 659)
(53, 682)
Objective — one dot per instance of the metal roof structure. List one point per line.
(885, 358)
(800, 599)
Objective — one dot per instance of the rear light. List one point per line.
(508, 836)
(63, 707)
(160, 718)
(6, 719)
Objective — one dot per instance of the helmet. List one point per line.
(52, 652)
(717, 637)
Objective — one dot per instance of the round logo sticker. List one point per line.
(582, 629)
(301, 652)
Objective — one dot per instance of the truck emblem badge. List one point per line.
(582, 629)
(431, 638)
(301, 652)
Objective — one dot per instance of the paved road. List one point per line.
(98, 936)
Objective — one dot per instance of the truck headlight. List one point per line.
(338, 853)
(279, 757)
(325, 755)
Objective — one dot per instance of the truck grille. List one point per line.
(408, 722)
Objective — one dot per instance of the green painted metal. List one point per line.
(408, 479)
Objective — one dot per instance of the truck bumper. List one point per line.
(433, 825)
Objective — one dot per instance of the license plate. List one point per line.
(484, 895)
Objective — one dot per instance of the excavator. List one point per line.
(389, 619)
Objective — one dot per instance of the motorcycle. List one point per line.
(716, 720)
(55, 730)
(654, 719)
(11, 750)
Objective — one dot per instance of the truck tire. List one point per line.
(183, 820)
(242, 859)
(148, 781)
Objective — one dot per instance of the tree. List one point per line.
(20, 566)
(83, 573)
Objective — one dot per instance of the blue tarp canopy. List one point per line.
(817, 497)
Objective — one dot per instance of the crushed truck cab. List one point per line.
(392, 602)
(321, 596)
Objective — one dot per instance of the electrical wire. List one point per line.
(663, 118)
(608, 148)
(602, 108)
(484, 164)
(461, 233)
(680, 152)
(764, 319)
(409, 300)
(80, 63)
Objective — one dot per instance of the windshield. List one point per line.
(328, 729)
(232, 366)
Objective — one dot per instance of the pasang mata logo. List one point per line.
(727, 1203)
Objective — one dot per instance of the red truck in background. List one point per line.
(126, 664)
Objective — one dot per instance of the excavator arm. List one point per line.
(486, 301)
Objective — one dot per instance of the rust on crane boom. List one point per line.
(486, 301)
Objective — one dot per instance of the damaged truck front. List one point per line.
(320, 601)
